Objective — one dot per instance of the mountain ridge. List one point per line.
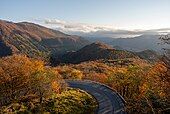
(32, 39)
(94, 51)
(140, 43)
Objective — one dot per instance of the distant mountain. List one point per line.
(35, 40)
(140, 43)
(148, 55)
(91, 52)
(106, 40)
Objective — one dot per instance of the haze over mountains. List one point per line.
(140, 43)
(131, 40)
(135, 44)
(38, 41)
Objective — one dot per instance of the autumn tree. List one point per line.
(15, 72)
(21, 76)
(45, 82)
(69, 73)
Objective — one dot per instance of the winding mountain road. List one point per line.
(109, 101)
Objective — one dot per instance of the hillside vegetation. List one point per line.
(92, 52)
(149, 55)
(144, 86)
(28, 87)
(35, 40)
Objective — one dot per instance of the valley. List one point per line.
(45, 59)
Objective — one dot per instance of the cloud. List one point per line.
(91, 30)
(55, 21)
(76, 27)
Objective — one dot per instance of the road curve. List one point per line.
(109, 101)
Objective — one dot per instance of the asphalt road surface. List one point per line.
(109, 101)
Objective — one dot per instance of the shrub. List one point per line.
(69, 73)
(72, 101)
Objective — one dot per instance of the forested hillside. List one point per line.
(35, 40)
(30, 85)
(92, 52)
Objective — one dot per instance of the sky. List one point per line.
(89, 15)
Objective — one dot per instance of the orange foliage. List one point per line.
(21, 76)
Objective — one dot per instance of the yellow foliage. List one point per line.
(20, 76)
(69, 73)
